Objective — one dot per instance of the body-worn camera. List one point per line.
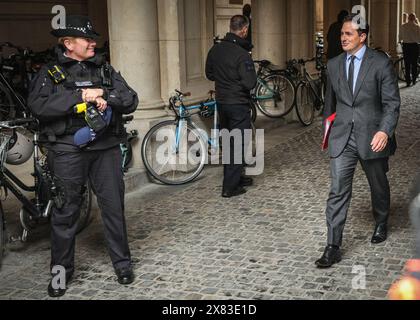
(93, 117)
(57, 74)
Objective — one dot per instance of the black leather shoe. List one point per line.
(381, 233)
(57, 293)
(246, 182)
(237, 192)
(331, 255)
(125, 276)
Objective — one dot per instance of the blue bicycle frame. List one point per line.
(185, 118)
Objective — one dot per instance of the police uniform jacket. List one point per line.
(53, 104)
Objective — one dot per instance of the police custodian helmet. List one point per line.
(76, 26)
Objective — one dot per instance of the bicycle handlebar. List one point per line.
(181, 94)
(17, 123)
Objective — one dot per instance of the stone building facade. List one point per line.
(161, 45)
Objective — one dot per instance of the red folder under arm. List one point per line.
(328, 125)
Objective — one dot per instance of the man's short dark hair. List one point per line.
(363, 26)
(238, 22)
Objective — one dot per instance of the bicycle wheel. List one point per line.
(168, 163)
(400, 69)
(2, 234)
(275, 95)
(85, 210)
(305, 101)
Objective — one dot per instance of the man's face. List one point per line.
(81, 48)
(350, 39)
(244, 32)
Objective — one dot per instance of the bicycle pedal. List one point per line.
(15, 239)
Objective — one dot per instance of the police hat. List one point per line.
(78, 27)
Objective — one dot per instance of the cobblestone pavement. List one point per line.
(189, 243)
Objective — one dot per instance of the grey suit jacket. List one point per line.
(374, 107)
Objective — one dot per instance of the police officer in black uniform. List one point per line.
(80, 77)
(230, 65)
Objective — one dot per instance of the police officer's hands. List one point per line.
(101, 104)
(91, 95)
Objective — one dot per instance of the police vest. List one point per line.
(92, 78)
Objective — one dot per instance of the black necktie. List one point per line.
(351, 74)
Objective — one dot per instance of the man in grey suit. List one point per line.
(363, 91)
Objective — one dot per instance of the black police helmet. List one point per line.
(76, 26)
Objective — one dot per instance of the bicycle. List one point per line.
(175, 152)
(12, 102)
(17, 70)
(46, 191)
(310, 92)
(275, 90)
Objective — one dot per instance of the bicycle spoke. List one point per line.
(163, 162)
(275, 95)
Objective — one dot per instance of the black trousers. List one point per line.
(234, 117)
(342, 172)
(411, 55)
(103, 169)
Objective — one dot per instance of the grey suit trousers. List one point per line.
(342, 172)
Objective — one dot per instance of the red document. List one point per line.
(328, 125)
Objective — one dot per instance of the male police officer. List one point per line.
(80, 76)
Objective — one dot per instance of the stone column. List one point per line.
(170, 41)
(409, 6)
(319, 4)
(380, 20)
(300, 29)
(394, 23)
(384, 24)
(270, 30)
(134, 44)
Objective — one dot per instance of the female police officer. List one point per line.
(80, 76)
